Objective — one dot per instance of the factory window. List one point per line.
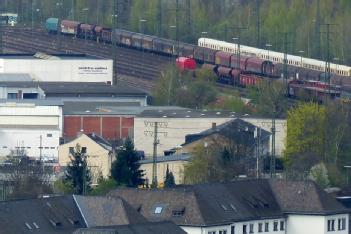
(12, 96)
(52, 147)
(244, 229)
(4, 147)
(232, 230)
(266, 227)
(49, 135)
(30, 96)
(260, 225)
(222, 232)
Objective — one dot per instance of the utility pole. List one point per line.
(159, 18)
(188, 20)
(73, 9)
(317, 30)
(114, 43)
(273, 164)
(154, 157)
(177, 26)
(258, 24)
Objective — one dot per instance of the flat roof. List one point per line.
(50, 56)
(15, 77)
(37, 102)
(188, 113)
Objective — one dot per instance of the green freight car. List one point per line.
(52, 25)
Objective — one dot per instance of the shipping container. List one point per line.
(52, 25)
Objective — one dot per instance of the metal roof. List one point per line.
(43, 56)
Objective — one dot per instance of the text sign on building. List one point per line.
(92, 70)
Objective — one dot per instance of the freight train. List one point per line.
(232, 69)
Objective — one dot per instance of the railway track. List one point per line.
(134, 67)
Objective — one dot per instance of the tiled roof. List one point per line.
(223, 203)
(107, 211)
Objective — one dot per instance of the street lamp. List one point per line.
(268, 49)
(203, 48)
(173, 27)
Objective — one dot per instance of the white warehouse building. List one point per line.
(33, 127)
(61, 68)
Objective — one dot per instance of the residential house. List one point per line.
(243, 207)
(98, 151)
(65, 214)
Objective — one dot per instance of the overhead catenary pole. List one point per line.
(258, 24)
(114, 43)
(188, 20)
(154, 157)
(159, 18)
(177, 26)
(273, 161)
(317, 30)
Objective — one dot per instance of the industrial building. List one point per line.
(58, 68)
(30, 127)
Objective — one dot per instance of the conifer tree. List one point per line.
(126, 168)
(169, 179)
(78, 173)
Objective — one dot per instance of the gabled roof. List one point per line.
(165, 227)
(224, 203)
(228, 129)
(47, 215)
(65, 214)
(101, 141)
(107, 211)
(206, 204)
(304, 197)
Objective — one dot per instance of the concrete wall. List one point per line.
(171, 131)
(70, 70)
(99, 158)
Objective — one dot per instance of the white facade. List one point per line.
(67, 70)
(171, 131)
(273, 225)
(307, 224)
(293, 224)
(32, 128)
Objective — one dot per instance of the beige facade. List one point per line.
(176, 166)
(171, 131)
(99, 157)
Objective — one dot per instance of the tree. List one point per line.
(169, 179)
(126, 168)
(78, 173)
(306, 131)
(29, 179)
(319, 174)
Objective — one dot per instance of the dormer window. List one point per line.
(178, 212)
(158, 210)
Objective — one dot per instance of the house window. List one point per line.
(244, 229)
(331, 225)
(49, 135)
(266, 227)
(232, 230)
(251, 228)
(222, 231)
(282, 225)
(342, 224)
(211, 232)
(260, 227)
(275, 226)
(84, 150)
